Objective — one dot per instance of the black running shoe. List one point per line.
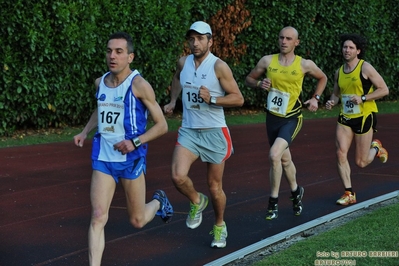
(297, 201)
(272, 212)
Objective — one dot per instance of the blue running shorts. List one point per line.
(127, 170)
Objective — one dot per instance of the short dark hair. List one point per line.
(358, 40)
(127, 37)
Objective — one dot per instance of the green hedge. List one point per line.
(319, 24)
(52, 52)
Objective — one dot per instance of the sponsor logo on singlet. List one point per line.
(102, 97)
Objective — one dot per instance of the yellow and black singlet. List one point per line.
(283, 97)
(354, 83)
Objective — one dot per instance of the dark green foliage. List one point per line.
(320, 24)
(52, 51)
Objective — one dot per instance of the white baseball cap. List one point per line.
(200, 27)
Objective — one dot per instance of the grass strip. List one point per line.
(369, 240)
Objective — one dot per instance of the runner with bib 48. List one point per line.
(283, 82)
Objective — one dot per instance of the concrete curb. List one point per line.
(239, 254)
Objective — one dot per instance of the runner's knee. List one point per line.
(362, 163)
(98, 218)
(138, 221)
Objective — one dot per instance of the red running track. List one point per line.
(45, 208)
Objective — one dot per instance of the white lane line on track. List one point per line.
(239, 254)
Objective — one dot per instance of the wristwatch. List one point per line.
(317, 97)
(363, 98)
(213, 100)
(136, 142)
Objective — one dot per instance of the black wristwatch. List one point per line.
(317, 97)
(363, 98)
(136, 142)
(213, 100)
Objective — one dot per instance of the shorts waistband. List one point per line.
(205, 130)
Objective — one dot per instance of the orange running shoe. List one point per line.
(382, 153)
(347, 198)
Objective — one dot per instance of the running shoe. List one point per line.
(272, 212)
(166, 209)
(219, 236)
(347, 198)
(297, 201)
(382, 153)
(194, 217)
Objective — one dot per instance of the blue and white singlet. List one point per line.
(120, 116)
